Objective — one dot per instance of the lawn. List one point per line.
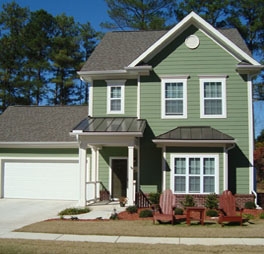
(253, 229)
(132, 228)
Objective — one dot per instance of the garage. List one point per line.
(41, 179)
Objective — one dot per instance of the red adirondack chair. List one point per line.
(228, 211)
(165, 212)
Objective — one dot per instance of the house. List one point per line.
(167, 109)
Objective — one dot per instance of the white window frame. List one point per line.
(201, 175)
(110, 85)
(163, 99)
(223, 98)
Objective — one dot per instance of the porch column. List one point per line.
(83, 167)
(164, 168)
(94, 171)
(130, 176)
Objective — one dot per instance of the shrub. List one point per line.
(154, 197)
(211, 213)
(145, 214)
(250, 205)
(211, 201)
(73, 211)
(261, 216)
(178, 211)
(132, 209)
(248, 216)
(188, 202)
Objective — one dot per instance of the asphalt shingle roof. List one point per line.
(118, 49)
(40, 123)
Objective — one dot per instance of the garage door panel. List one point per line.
(41, 180)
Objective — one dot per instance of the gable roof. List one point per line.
(124, 50)
(38, 124)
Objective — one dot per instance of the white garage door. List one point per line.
(41, 179)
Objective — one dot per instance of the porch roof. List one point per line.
(110, 126)
(194, 134)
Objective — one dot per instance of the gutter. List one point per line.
(39, 144)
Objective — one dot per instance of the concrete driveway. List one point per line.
(16, 213)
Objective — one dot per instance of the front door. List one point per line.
(119, 178)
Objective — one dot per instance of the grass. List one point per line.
(146, 228)
(40, 247)
(132, 228)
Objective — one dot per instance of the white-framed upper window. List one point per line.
(194, 174)
(174, 98)
(213, 97)
(115, 96)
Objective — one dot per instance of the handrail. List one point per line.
(141, 200)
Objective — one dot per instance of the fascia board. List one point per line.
(39, 144)
(196, 20)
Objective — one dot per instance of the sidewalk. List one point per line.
(130, 239)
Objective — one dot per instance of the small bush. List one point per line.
(211, 201)
(188, 202)
(114, 216)
(211, 213)
(154, 197)
(250, 205)
(178, 211)
(248, 216)
(145, 214)
(261, 216)
(132, 209)
(73, 211)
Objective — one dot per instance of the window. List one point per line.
(115, 97)
(174, 99)
(213, 98)
(194, 174)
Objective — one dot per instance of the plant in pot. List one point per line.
(211, 203)
(122, 201)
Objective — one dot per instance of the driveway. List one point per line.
(16, 213)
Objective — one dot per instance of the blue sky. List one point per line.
(95, 11)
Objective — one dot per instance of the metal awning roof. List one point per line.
(194, 134)
(110, 126)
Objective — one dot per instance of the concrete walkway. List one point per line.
(133, 239)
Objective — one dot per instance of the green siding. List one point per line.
(176, 59)
(208, 58)
(100, 98)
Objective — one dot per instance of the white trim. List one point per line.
(194, 155)
(39, 144)
(138, 97)
(115, 83)
(223, 98)
(250, 134)
(91, 94)
(196, 20)
(173, 79)
(164, 182)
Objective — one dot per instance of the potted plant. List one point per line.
(122, 201)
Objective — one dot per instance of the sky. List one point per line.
(95, 12)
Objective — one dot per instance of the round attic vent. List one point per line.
(192, 41)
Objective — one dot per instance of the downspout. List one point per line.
(138, 96)
(226, 150)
